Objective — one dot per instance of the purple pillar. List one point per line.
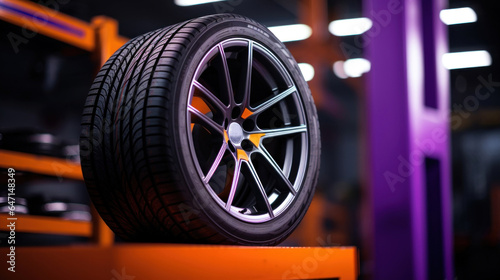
(408, 141)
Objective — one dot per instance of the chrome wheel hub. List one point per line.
(235, 133)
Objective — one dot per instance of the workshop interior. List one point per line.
(249, 139)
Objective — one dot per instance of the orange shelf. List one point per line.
(49, 22)
(47, 225)
(56, 167)
(162, 261)
(54, 24)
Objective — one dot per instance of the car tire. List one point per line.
(201, 132)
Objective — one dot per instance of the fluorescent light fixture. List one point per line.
(293, 32)
(307, 71)
(353, 68)
(459, 60)
(356, 67)
(56, 206)
(458, 16)
(185, 3)
(338, 69)
(349, 27)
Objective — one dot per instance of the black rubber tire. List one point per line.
(138, 172)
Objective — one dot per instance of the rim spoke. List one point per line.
(277, 169)
(234, 184)
(227, 75)
(248, 80)
(216, 163)
(275, 99)
(211, 124)
(214, 100)
(261, 189)
(269, 133)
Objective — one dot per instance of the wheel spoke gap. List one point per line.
(274, 100)
(278, 170)
(214, 100)
(227, 75)
(261, 188)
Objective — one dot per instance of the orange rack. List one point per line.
(159, 261)
(47, 225)
(44, 165)
(99, 37)
(60, 168)
(127, 262)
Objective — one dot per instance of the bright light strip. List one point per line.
(338, 69)
(307, 71)
(356, 67)
(353, 68)
(458, 16)
(459, 60)
(293, 32)
(185, 3)
(56, 206)
(349, 27)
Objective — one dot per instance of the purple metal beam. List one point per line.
(408, 140)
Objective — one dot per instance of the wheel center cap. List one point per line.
(235, 133)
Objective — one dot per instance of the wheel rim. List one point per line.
(247, 130)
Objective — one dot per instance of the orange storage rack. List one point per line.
(103, 260)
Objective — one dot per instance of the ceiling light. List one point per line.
(353, 68)
(338, 69)
(458, 16)
(349, 27)
(356, 67)
(307, 71)
(193, 2)
(293, 32)
(459, 60)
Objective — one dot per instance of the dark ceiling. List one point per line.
(137, 17)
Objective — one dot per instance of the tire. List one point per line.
(164, 132)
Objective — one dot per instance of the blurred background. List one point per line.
(43, 85)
